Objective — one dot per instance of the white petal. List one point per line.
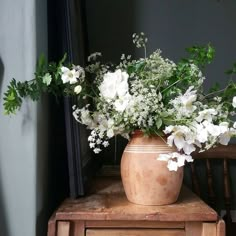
(234, 102)
(188, 148)
(181, 160)
(164, 157)
(225, 138)
(110, 133)
(179, 141)
(77, 89)
(170, 140)
(172, 165)
(188, 158)
(234, 125)
(64, 69)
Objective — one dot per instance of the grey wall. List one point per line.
(170, 25)
(23, 137)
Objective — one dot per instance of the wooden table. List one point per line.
(106, 212)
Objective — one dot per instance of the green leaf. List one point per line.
(158, 123)
(11, 96)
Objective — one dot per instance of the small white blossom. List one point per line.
(121, 103)
(77, 89)
(47, 78)
(110, 133)
(92, 145)
(172, 165)
(105, 143)
(94, 56)
(234, 125)
(234, 102)
(69, 76)
(98, 141)
(91, 138)
(97, 150)
(226, 133)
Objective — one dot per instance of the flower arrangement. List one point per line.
(152, 94)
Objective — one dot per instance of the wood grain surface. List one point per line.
(134, 232)
(109, 203)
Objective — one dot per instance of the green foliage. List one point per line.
(33, 89)
(232, 71)
(201, 55)
(12, 100)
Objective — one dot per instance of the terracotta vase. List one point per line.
(146, 180)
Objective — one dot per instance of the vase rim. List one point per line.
(139, 132)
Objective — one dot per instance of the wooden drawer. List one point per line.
(135, 232)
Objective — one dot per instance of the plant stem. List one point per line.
(160, 137)
(215, 92)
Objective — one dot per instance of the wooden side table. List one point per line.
(106, 212)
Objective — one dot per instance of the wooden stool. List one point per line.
(106, 212)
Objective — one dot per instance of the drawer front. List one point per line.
(135, 232)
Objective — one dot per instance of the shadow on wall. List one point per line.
(1, 74)
(3, 221)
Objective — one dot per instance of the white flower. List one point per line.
(114, 84)
(91, 138)
(110, 133)
(97, 150)
(174, 160)
(225, 138)
(212, 129)
(177, 138)
(206, 114)
(77, 89)
(234, 125)
(184, 104)
(226, 133)
(172, 165)
(80, 71)
(98, 141)
(201, 132)
(168, 129)
(164, 157)
(182, 137)
(218, 99)
(105, 144)
(121, 103)
(94, 56)
(69, 76)
(188, 148)
(188, 98)
(234, 102)
(47, 78)
(92, 145)
(86, 119)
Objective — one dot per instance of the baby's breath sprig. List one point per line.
(140, 41)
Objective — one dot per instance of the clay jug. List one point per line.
(146, 180)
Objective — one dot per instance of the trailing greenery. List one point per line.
(47, 78)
